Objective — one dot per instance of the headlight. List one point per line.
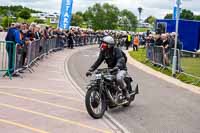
(98, 76)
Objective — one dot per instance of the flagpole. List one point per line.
(178, 3)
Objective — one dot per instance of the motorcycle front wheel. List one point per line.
(95, 103)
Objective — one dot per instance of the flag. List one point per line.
(65, 14)
(174, 12)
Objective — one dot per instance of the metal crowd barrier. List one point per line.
(162, 57)
(24, 57)
(7, 58)
(188, 63)
(39, 48)
(86, 40)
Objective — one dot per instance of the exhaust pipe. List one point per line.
(136, 91)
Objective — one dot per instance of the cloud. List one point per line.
(43, 5)
(156, 8)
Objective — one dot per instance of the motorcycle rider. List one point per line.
(115, 60)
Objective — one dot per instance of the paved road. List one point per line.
(160, 108)
(45, 101)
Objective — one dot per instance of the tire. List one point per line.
(89, 104)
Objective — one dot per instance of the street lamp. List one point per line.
(140, 12)
(178, 3)
(140, 9)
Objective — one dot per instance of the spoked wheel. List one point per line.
(95, 103)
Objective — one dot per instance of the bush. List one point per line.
(39, 21)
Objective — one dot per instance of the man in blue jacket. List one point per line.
(13, 35)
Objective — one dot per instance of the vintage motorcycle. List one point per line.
(103, 93)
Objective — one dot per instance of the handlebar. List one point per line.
(104, 71)
(107, 70)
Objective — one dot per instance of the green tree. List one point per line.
(6, 21)
(93, 15)
(87, 15)
(168, 16)
(187, 14)
(77, 19)
(102, 16)
(111, 16)
(39, 21)
(14, 10)
(197, 17)
(25, 14)
(79, 13)
(129, 18)
(150, 19)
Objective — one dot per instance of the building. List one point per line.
(189, 32)
(54, 17)
(144, 25)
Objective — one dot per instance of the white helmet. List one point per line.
(109, 40)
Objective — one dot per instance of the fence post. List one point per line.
(7, 58)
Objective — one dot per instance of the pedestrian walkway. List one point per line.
(2, 36)
(46, 102)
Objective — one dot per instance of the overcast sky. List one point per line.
(157, 8)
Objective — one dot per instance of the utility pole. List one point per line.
(178, 3)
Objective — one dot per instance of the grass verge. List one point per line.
(191, 65)
(141, 57)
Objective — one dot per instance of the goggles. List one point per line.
(104, 45)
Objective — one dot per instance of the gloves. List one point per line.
(88, 73)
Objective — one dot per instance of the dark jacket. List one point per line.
(70, 38)
(165, 43)
(158, 42)
(37, 35)
(112, 57)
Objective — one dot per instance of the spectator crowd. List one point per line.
(23, 34)
(159, 46)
